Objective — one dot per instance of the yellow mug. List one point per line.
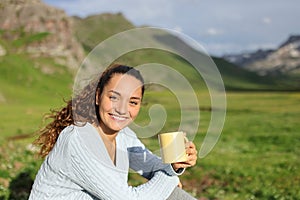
(172, 147)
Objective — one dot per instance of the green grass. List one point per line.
(26, 92)
(92, 30)
(259, 148)
(26, 39)
(257, 156)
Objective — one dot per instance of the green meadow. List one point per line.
(256, 156)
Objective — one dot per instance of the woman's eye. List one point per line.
(134, 103)
(113, 98)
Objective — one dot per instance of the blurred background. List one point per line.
(255, 45)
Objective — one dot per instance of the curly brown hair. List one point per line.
(80, 109)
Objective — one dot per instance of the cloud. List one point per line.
(178, 28)
(213, 32)
(267, 20)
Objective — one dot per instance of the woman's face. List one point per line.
(119, 103)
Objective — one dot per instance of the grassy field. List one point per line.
(257, 156)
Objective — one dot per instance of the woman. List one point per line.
(89, 148)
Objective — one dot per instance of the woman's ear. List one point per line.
(97, 97)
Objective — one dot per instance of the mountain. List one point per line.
(243, 59)
(40, 30)
(38, 53)
(37, 40)
(92, 30)
(283, 60)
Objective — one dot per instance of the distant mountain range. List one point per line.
(283, 60)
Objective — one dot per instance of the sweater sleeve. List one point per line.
(103, 180)
(145, 162)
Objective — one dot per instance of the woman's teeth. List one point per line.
(118, 117)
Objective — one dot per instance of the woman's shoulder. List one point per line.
(75, 128)
(74, 137)
(74, 132)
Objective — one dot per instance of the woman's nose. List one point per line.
(121, 107)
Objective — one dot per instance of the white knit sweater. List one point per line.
(79, 167)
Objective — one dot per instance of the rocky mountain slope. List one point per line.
(40, 30)
(283, 60)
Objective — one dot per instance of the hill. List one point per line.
(40, 47)
(91, 30)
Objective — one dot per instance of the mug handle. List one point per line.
(186, 140)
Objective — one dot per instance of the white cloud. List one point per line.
(267, 20)
(178, 28)
(211, 32)
(214, 31)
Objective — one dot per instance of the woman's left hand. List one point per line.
(192, 157)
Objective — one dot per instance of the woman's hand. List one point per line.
(192, 157)
(179, 184)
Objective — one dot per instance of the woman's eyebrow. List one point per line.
(137, 98)
(115, 92)
(119, 94)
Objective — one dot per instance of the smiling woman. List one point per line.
(89, 149)
(120, 102)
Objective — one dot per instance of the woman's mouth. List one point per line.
(117, 117)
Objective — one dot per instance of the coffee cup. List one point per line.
(172, 147)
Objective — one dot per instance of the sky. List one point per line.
(219, 26)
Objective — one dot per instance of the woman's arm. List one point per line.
(105, 182)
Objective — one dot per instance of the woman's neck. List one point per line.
(109, 140)
(109, 135)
